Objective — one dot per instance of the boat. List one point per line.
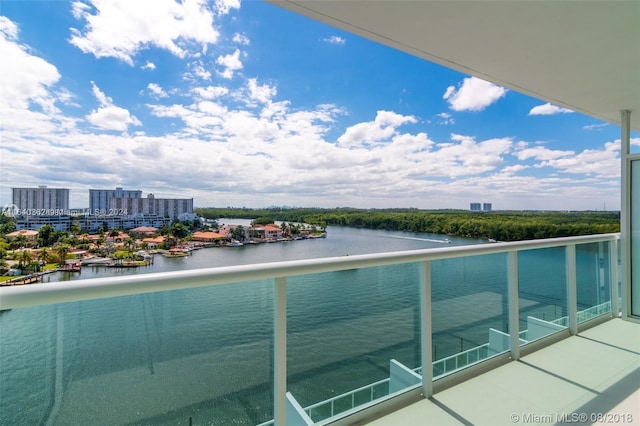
(176, 253)
(94, 261)
(71, 267)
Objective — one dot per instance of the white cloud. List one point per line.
(334, 40)
(29, 89)
(473, 94)
(231, 63)
(444, 118)
(156, 90)
(548, 109)
(26, 79)
(262, 93)
(541, 153)
(514, 169)
(381, 129)
(148, 66)
(200, 71)
(223, 7)
(603, 163)
(8, 28)
(121, 28)
(464, 156)
(592, 127)
(210, 92)
(109, 116)
(241, 39)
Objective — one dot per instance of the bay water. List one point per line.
(205, 356)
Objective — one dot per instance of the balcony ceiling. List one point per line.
(582, 55)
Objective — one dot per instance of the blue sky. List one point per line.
(246, 104)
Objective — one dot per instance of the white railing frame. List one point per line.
(12, 297)
(584, 315)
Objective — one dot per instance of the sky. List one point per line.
(244, 104)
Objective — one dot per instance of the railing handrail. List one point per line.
(72, 291)
(345, 394)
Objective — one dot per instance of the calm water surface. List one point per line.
(204, 356)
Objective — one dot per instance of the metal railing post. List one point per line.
(425, 329)
(626, 210)
(613, 277)
(514, 306)
(572, 294)
(280, 353)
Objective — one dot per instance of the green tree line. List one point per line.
(498, 225)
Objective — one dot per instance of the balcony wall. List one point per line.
(198, 347)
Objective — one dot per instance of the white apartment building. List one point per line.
(41, 198)
(172, 208)
(99, 198)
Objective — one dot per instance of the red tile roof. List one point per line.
(207, 236)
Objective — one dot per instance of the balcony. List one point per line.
(336, 340)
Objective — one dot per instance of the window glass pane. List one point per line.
(344, 330)
(635, 237)
(593, 280)
(469, 311)
(542, 292)
(200, 356)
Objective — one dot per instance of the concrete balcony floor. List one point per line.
(594, 373)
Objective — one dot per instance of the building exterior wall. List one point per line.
(99, 198)
(41, 198)
(170, 208)
(90, 223)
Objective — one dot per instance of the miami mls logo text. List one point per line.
(10, 210)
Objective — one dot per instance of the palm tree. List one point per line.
(44, 255)
(62, 250)
(101, 240)
(238, 233)
(4, 266)
(130, 244)
(46, 235)
(24, 258)
(19, 241)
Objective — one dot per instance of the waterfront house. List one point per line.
(29, 235)
(207, 237)
(269, 232)
(116, 239)
(154, 242)
(144, 231)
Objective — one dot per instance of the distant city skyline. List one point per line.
(244, 104)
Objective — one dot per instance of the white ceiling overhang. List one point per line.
(582, 55)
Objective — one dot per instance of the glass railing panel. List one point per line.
(344, 330)
(542, 290)
(593, 284)
(469, 309)
(196, 356)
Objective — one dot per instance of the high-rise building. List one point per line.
(475, 207)
(41, 198)
(170, 208)
(99, 198)
(486, 207)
